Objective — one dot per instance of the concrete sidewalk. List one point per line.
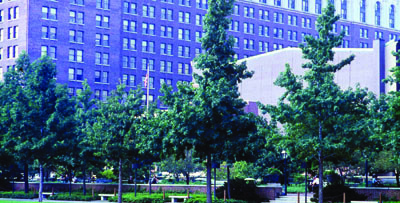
(45, 200)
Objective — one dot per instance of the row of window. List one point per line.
(11, 52)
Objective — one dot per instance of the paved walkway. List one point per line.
(46, 200)
(292, 198)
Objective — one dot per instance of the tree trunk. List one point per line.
(396, 172)
(47, 174)
(366, 171)
(187, 178)
(26, 171)
(321, 167)
(41, 183)
(229, 181)
(70, 181)
(135, 180)
(215, 183)
(150, 180)
(84, 178)
(209, 200)
(120, 181)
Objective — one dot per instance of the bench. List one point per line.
(364, 201)
(104, 196)
(177, 197)
(45, 194)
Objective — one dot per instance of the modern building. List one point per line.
(107, 41)
(368, 69)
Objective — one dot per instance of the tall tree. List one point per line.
(317, 114)
(388, 117)
(115, 128)
(15, 127)
(201, 118)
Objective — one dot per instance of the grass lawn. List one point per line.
(16, 201)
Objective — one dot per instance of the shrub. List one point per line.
(240, 190)
(204, 200)
(18, 195)
(334, 193)
(75, 196)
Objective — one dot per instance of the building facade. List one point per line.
(113, 41)
(368, 69)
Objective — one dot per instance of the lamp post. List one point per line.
(284, 155)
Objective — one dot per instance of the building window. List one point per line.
(292, 20)
(318, 7)
(184, 51)
(184, 17)
(304, 5)
(166, 31)
(378, 13)
(343, 9)
(103, 4)
(49, 13)
(263, 14)
(76, 17)
(129, 8)
(278, 33)
(184, 34)
(97, 94)
(166, 49)
(148, 46)
(391, 16)
(76, 36)
(201, 4)
(364, 33)
(292, 4)
(362, 11)
(148, 11)
(292, 35)
(236, 9)
(129, 62)
(345, 29)
(166, 14)
(129, 26)
(262, 46)
(13, 13)
(248, 44)
(104, 77)
(75, 55)
(249, 12)
(277, 3)
(102, 21)
(148, 29)
(378, 35)
(306, 22)
(149, 82)
(129, 44)
(71, 74)
(12, 32)
(278, 17)
(102, 40)
(77, 2)
(166, 66)
(263, 30)
(104, 95)
(248, 28)
(199, 19)
(184, 2)
(102, 58)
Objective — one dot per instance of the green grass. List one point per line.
(12, 201)
(296, 188)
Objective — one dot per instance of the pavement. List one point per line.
(46, 200)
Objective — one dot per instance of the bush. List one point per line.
(75, 196)
(334, 193)
(18, 195)
(153, 198)
(240, 190)
(204, 200)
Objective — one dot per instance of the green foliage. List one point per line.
(242, 170)
(321, 120)
(18, 195)
(154, 198)
(334, 193)
(109, 174)
(240, 190)
(274, 171)
(75, 196)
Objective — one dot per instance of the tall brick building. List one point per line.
(107, 41)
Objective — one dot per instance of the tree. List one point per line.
(201, 118)
(85, 116)
(317, 114)
(388, 117)
(15, 127)
(115, 128)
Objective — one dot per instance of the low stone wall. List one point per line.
(264, 192)
(373, 192)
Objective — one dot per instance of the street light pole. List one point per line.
(284, 169)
